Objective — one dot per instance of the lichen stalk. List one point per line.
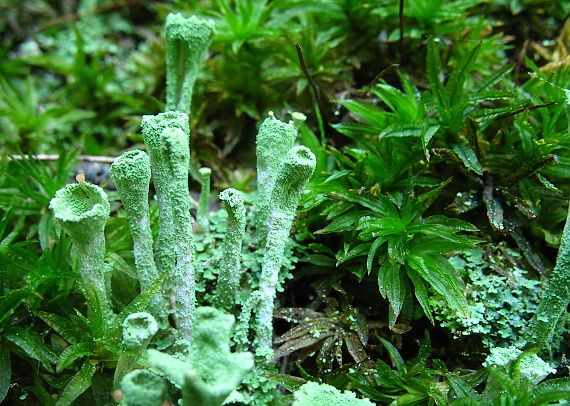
(202, 211)
(83, 210)
(187, 41)
(142, 387)
(211, 372)
(131, 175)
(290, 183)
(274, 140)
(555, 301)
(138, 330)
(230, 265)
(556, 298)
(167, 140)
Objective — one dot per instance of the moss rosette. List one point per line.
(83, 208)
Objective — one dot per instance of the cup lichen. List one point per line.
(230, 271)
(187, 41)
(211, 372)
(167, 138)
(131, 174)
(83, 209)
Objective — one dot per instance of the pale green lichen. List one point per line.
(230, 263)
(290, 182)
(555, 301)
(143, 388)
(138, 330)
(274, 140)
(83, 210)
(187, 41)
(202, 211)
(167, 138)
(131, 175)
(533, 369)
(211, 371)
(315, 394)
(515, 368)
(501, 303)
(298, 119)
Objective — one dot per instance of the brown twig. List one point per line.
(308, 75)
(78, 16)
(381, 74)
(526, 108)
(55, 157)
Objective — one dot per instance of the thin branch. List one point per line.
(45, 157)
(526, 108)
(308, 74)
(381, 74)
(78, 16)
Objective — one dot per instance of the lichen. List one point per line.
(167, 138)
(230, 270)
(500, 305)
(187, 41)
(202, 211)
(532, 368)
(83, 210)
(315, 394)
(143, 388)
(131, 175)
(138, 330)
(555, 301)
(211, 372)
(290, 182)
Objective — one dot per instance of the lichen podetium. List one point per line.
(187, 41)
(166, 136)
(555, 302)
(290, 182)
(83, 209)
(229, 276)
(131, 175)
(274, 140)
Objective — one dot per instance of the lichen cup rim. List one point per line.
(68, 206)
